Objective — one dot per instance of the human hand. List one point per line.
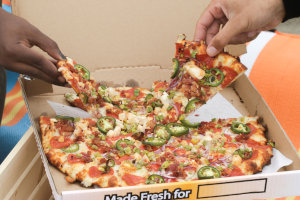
(17, 36)
(242, 21)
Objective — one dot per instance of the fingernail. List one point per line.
(62, 55)
(211, 51)
(61, 79)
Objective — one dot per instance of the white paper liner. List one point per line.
(217, 107)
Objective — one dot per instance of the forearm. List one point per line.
(291, 9)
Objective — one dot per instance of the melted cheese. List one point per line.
(194, 70)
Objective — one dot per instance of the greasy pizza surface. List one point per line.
(141, 136)
(220, 148)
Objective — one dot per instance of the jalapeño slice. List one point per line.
(122, 144)
(177, 129)
(83, 72)
(161, 131)
(109, 163)
(148, 97)
(83, 97)
(107, 99)
(65, 117)
(214, 77)
(208, 172)
(191, 106)
(175, 68)
(187, 123)
(157, 103)
(245, 153)
(154, 141)
(71, 149)
(238, 127)
(106, 123)
(154, 178)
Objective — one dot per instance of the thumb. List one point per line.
(221, 39)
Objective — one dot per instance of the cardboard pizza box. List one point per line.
(131, 43)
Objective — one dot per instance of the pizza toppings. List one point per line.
(71, 149)
(175, 68)
(214, 77)
(187, 123)
(192, 105)
(82, 71)
(177, 129)
(154, 178)
(106, 123)
(83, 97)
(238, 127)
(208, 172)
(245, 153)
(161, 131)
(154, 141)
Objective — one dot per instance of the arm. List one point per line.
(17, 36)
(242, 21)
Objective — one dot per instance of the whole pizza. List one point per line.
(140, 136)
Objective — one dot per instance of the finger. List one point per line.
(34, 72)
(213, 30)
(211, 13)
(31, 57)
(46, 44)
(232, 28)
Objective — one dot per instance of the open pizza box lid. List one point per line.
(131, 43)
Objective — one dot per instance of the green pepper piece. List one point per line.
(194, 53)
(187, 123)
(271, 143)
(83, 72)
(214, 77)
(208, 172)
(154, 141)
(191, 106)
(238, 127)
(245, 153)
(107, 99)
(83, 97)
(157, 103)
(177, 129)
(154, 178)
(123, 143)
(161, 131)
(106, 123)
(175, 68)
(65, 117)
(71, 149)
(149, 109)
(110, 163)
(136, 92)
(148, 97)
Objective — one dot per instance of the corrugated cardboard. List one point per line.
(131, 43)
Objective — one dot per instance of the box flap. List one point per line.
(114, 33)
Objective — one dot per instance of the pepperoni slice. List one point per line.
(236, 172)
(55, 143)
(72, 159)
(180, 152)
(94, 172)
(230, 74)
(125, 157)
(133, 179)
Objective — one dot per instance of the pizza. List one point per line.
(83, 149)
(139, 136)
